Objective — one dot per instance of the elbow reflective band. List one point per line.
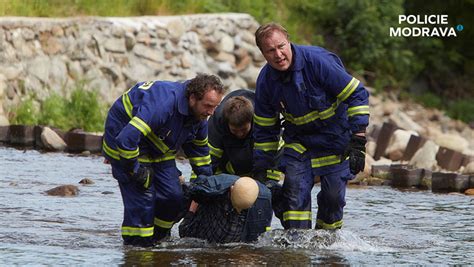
(358, 110)
(200, 161)
(163, 224)
(229, 168)
(348, 90)
(296, 215)
(216, 152)
(296, 147)
(200, 142)
(262, 121)
(268, 146)
(110, 151)
(274, 175)
(325, 161)
(328, 226)
(128, 154)
(137, 231)
(140, 125)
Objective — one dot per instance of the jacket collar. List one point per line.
(183, 103)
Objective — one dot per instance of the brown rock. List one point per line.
(86, 181)
(469, 192)
(64, 191)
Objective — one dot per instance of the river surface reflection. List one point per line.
(382, 226)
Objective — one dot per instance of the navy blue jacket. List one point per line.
(317, 103)
(150, 122)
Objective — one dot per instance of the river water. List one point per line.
(382, 226)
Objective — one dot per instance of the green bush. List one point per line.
(81, 110)
(25, 113)
(462, 110)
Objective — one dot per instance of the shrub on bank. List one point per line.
(81, 110)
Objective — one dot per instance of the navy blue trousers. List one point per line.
(150, 213)
(294, 207)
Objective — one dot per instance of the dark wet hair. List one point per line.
(203, 83)
(266, 29)
(238, 111)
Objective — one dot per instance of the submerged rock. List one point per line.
(64, 191)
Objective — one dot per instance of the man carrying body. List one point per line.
(325, 113)
(144, 129)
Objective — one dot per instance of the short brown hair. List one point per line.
(238, 111)
(266, 29)
(203, 83)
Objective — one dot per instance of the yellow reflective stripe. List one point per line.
(313, 115)
(274, 175)
(329, 226)
(295, 215)
(128, 154)
(200, 161)
(296, 147)
(262, 121)
(325, 161)
(229, 168)
(163, 223)
(328, 113)
(200, 142)
(268, 228)
(165, 157)
(127, 104)
(158, 142)
(348, 90)
(268, 146)
(137, 231)
(193, 175)
(216, 152)
(140, 125)
(358, 110)
(109, 151)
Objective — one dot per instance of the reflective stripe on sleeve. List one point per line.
(140, 125)
(128, 154)
(358, 110)
(200, 161)
(216, 152)
(265, 122)
(268, 146)
(348, 90)
(200, 142)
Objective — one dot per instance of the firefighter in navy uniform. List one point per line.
(230, 135)
(325, 113)
(143, 130)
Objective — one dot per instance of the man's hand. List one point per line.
(356, 153)
(143, 176)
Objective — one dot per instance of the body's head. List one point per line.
(204, 94)
(238, 114)
(274, 43)
(243, 193)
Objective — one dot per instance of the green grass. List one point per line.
(83, 109)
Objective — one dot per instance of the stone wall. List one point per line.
(44, 55)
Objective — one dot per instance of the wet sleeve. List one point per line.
(346, 89)
(197, 151)
(266, 125)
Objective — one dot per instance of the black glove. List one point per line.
(356, 153)
(143, 176)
